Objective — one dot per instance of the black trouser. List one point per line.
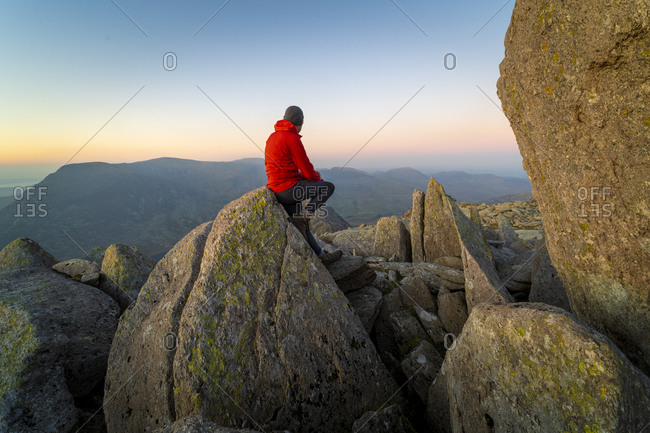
(318, 192)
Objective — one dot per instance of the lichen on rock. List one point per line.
(528, 367)
(574, 85)
(261, 331)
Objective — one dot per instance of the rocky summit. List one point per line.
(240, 322)
(574, 85)
(240, 328)
(530, 316)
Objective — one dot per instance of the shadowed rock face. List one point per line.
(574, 85)
(417, 226)
(532, 367)
(240, 322)
(55, 336)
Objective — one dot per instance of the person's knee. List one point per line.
(330, 190)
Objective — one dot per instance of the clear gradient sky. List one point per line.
(70, 67)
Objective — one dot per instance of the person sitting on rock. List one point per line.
(291, 176)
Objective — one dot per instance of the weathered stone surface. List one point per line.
(546, 285)
(327, 221)
(366, 302)
(452, 310)
(360, 241)
(574, 85)
(351, 273)
(516, 286)
(534, 367)
(148, 337)
(431, 324)
(482, 283)
(421, 366)
(417, 227)
(512, 267)
(387, 420)
(125, 269)
(55, 335)
(383, 335)
(392, 238)
(382, 283)
(91, 279)
(510, 237)
(435, 276)
(440, 233)
(415, 293)
(438, 404)
(198, 424)
(263, 333)
(475, 216)
(407, 330)
(77, 269)
(25, 253)
(450, 262)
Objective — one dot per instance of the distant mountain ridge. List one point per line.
(152, 204)
(475, 188)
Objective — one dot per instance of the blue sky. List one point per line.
(70, 68)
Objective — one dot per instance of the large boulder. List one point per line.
(449, 232)
(534, 367)
(358, 241)
(392, 239)
(24, 253)
(351, 273)
(510, 237)
(421, 367)
(124, 270)
(55, 335)
(84, 271)
(256, 332)
(574, 85)
(440, 233)
(366, 302)
(452, 310)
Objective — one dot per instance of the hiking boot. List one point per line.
(301, 223)
(328, 258)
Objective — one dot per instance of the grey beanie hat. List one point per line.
(294, 115)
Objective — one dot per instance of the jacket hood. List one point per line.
(285, 125)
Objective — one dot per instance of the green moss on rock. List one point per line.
(17, 344)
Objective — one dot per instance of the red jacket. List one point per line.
(285, 158)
